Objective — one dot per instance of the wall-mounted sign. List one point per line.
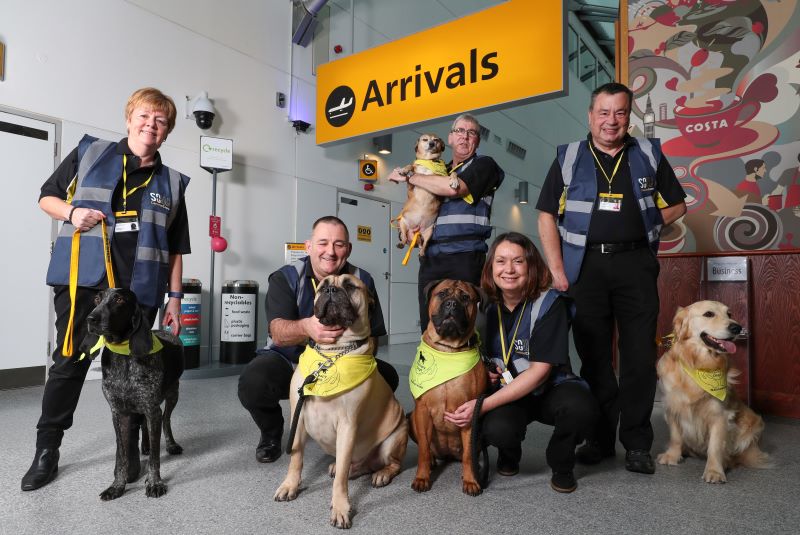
(495, 58)
(727, 268)
(364, 233)
(216, 153)
(292, 252)
(2, 61)
(368, 170)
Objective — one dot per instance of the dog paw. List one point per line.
(155, 490)
(471, 488)
(340, 518)
(112, 493)
(669, 459)
(174, 449)
(285, 493)
(714, 476)
(421, 484)
(332, 469)
(383, 477)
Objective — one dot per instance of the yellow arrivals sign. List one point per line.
(495, 58)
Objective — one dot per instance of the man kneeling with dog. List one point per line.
(290, 316)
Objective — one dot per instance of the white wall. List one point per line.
(79, 61)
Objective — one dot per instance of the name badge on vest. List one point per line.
(610, 202)
(126, 221)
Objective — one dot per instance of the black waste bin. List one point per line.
(238, 321)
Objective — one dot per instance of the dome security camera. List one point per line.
(203, 111)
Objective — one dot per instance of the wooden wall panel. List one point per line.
(769, 306)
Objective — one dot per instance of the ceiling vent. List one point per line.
(484, 132)
(516, 150)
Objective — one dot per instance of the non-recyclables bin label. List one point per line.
(238, 318)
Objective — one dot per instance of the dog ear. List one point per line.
(429, 288)
(680, 324)
(141, 340)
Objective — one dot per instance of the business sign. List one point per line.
(293, 251)
(727, 268)
(495, 58)
(216, 153)
(364, 233)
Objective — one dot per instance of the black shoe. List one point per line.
(268, 450)
(592, 453)
(43, 470)
(507, 465)
(639, 461)
(563, 482)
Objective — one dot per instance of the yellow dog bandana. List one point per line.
(715, 382)
(432, 368)
(347, 372)
(122, 348)
(438, 167)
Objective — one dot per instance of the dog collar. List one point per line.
(432, 367)
(437, 166)
(715, 382)
(122, 348)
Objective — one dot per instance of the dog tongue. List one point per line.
(729, 346)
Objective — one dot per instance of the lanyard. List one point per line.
(602, 169)
(507, 354)
(125, 192)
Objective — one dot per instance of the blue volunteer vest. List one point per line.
(462, 227)
(304, 295)
(99, 172)
(578, 170)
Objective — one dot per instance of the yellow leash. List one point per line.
(66, 350)
(411, 248)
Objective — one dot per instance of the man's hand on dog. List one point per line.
(462, 416)
(321, 334)
(399, 174)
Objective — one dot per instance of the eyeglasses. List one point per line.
(465, 132)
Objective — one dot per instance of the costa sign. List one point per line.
(498, 57)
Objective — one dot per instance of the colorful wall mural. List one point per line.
(718, 81)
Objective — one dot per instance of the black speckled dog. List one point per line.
(140, 370)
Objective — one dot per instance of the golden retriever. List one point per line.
(719, 427)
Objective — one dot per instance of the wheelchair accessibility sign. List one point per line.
(368, 169)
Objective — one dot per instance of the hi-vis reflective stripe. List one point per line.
(647, 149)
(646, 202)
(151, 216)
(152, 254)
(583, 207)
(569, 162)
(654, 234)
(572, 238)
(462, 218)
(91, 194)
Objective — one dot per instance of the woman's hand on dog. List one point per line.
(462, 416)
(321, 334)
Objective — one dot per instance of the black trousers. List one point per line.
(65, 379)
(569, 407)
(461, 266)
(623, 287)
(265, 381)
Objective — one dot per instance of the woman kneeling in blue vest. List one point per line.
(527, 325)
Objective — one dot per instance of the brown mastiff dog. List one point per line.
(453, 306)
(349, 409)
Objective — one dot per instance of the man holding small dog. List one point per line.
(457, 248)
(602, 208)
(290, 316)
(126, 226)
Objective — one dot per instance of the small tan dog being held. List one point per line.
(358, 420)
(421, 206)
(705, 417)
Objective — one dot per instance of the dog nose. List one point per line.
(450, 305)
(330, 290)
(735, 328)
(91, 319)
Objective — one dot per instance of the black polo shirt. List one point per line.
(482, 176)
(613, 227)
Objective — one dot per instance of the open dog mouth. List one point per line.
(717, 344)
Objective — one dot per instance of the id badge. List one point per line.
(610, 202)
(126, 221)
(507, 377)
